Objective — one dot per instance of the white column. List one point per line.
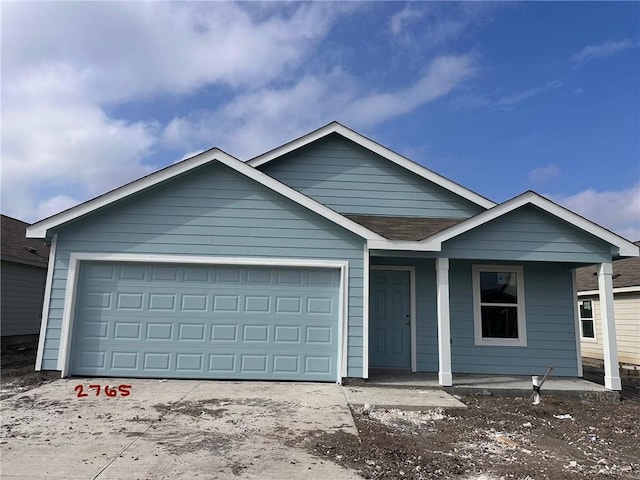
(611, 368)
(444, 328)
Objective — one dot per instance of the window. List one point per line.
(587, 330)
(498, 305)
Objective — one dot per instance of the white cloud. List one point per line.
(606, 49)
(247, 124)
(544, 174)
(408, 15)
(64, 71)
(617, 210)
(514, 98)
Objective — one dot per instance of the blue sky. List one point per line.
(500, 97)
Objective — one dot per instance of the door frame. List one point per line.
(412, 307)
(77, 258)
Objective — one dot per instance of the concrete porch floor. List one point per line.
(498, 385)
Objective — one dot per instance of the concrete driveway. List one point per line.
(171, 429)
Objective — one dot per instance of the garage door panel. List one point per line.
(246, 322)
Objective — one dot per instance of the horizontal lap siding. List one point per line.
(527, 234)
(216, 212)
(353, 180)
(22, 294)
(550, 324)
(627, 314)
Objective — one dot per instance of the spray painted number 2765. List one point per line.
(122, 390)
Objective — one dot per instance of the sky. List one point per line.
(499, 97)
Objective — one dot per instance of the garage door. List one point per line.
(187, 321)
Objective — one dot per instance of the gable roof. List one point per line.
(337, 128)
(434, 242)
(40, 229)
(626, 273)
(15, 247)
(625, 247)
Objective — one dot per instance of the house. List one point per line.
(22, 279)
(326, 258)
(626, 306)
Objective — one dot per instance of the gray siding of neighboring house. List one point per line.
(22, 295)
(353, 180)
(217, 212)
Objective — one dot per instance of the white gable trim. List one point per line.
(585, 293)
(335, 127)
(39, 229)
(625, 247)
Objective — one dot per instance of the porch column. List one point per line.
(605, 288)
(444, 328)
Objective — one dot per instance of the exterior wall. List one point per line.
(353, 180)
(22, 294)
(626, 308)
(527, 234)
(550, 321)
(218, 212)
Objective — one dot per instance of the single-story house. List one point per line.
(626, 307)
(319, 260)
(23, 271)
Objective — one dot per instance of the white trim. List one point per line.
(47, 301)
(77, 257)
(39, 229)
(607, 319)
(521, 341)
(365, 313)
(577, 322)
(625, 247)
(593, 339)
(445, 376)
(584, 293)
(335, 127)
(412, 306)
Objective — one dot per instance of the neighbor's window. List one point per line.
(498, 304)
(586, 319)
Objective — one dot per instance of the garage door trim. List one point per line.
(64, 356)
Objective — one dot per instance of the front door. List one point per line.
(390, 319)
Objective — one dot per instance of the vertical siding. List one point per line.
(550, 325)
(528, 234)
(22, 295)
(352, 180)
(212, 211)
(626, 308)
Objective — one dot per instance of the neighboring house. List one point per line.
(322, 259)
(22, 280)
(626, 303)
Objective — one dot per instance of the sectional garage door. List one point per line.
(190, 321)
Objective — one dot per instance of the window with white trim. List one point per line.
(587, 330)
(498, 305)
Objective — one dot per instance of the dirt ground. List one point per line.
(17, 372)
(494, 438)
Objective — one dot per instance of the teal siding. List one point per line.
(551, 338)
(550, 321)
(353, 180)
(211, 211)
(527, 234)
(22, 294)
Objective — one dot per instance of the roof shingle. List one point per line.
(626, 273)
(404, 228)
(16, 247)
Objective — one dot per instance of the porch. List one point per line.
(496, 385)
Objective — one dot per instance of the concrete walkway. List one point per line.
(498, 385)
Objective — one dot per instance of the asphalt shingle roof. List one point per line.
(404, 228)
(15, 247)
(626, 273)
